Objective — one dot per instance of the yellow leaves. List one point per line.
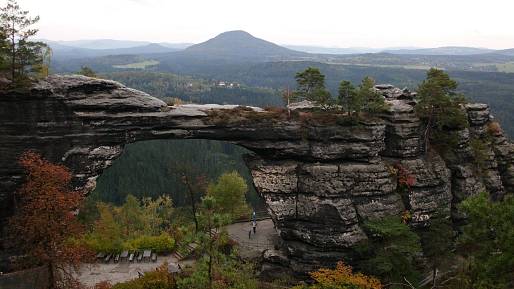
(343, 277)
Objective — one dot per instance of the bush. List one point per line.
(342, 277)
(160, 244)
(158, 279)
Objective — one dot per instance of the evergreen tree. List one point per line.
(438, 244)
(347, 96)
(87, 71)
(311, 86)
(488, 243)
(439, 106)
(392, 250)
(371, 100)
(24, 57)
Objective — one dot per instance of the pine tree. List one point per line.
(372, 101)
(439, 106)
(346, 96)
(311, 86)
(24, 56)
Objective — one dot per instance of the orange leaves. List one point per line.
(343, 277)
(404, 178)
(44, 220)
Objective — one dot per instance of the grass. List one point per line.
(506, 67)
(137, 65)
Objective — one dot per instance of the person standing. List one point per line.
(254, 225)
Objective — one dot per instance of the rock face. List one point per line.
(319, 180)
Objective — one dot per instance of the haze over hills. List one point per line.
(111, 44)
(446, 50)
(240, 44)
(69, 52)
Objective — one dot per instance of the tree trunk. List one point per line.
(434, 276)
(13, 53)
(51, 277)
(192, 198)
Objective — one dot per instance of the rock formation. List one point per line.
(320, 180)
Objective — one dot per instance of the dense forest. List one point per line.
(149, 169)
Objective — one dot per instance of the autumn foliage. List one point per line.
(45, 225)
(342, 277)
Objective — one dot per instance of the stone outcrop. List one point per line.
(320, 180)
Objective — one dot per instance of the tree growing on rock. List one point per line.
(439, 106)
(347, 97)
(311, 86)
(45, 224)
(370, 99)
(24, 57)
(362, 99)
(87, 71)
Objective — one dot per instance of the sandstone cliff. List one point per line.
(320, 180)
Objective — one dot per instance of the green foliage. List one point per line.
(311, 86)
(135, 225)
(365, 98)
(392, 250)
(347, 97)
(146, 169)
(158, 279)
(439, 106)
(107, 234)
(25, 58)
(373, 101)
(438, 243)
(229, 192)
(479, 148)
(163, 243)
(194, 89)
(229, 272)
(488, 242)
(87, 71)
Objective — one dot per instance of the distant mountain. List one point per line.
(239, 45)
(68, 52)
(507, 52)
(447, 50)
(102, 43)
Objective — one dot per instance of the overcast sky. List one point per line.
(348, 23)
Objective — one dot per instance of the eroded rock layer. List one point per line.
(320, 180)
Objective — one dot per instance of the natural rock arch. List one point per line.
(319, 179)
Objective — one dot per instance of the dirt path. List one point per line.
(90, 274)
(252, 247)
(264, 238)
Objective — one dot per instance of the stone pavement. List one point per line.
(265, 237)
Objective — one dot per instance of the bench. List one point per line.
(147, 254)
(154, 257)
(124, 255)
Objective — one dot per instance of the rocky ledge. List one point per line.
(320, 179)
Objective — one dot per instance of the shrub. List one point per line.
(158, 279)
(494, 128)
(341, 277)
(160, 244)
